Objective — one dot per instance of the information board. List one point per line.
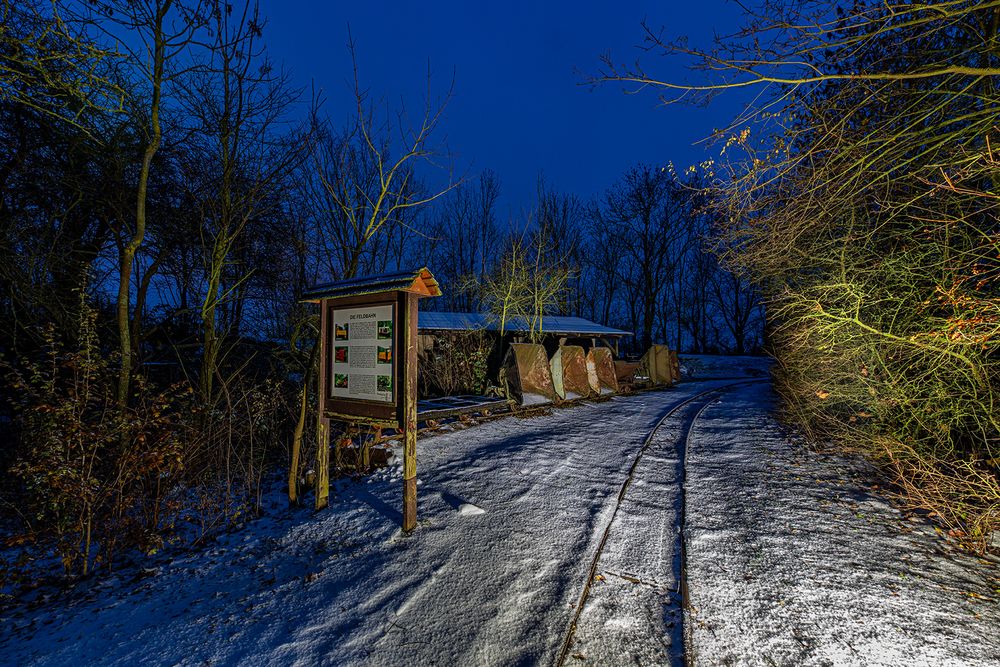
(362, 359)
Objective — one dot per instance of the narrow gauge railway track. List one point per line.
(707, 398)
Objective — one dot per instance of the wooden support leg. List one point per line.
(410, 478)
(322, 463)
(409, 504)
(410, 418)
(343, 440)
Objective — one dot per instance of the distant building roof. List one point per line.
(551, 324)
(419, 280)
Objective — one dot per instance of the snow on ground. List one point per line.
(782, 569)
(793, 559)
(343, 586)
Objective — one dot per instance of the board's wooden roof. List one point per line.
(419, 281)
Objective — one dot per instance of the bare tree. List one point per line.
(464, 240)
(48, 63)
(860, 205)
(241, 156)
(364, 189)
(165, 30)
(367, 174)
(526, 284)
(603, 267)
(739, 304)
(650, 210)
(560, 217)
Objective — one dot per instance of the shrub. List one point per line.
(457, 364)
(94, 473)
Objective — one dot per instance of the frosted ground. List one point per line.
(792, 558)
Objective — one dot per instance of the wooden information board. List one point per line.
(362, 359)
(365, 341)
(368, 366)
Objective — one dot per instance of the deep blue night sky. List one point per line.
(518, 106)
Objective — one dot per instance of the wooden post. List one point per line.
(323, 424)
(322, 463)
(410, 416)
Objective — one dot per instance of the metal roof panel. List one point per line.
(552, 324)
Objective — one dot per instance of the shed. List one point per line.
(452, 363)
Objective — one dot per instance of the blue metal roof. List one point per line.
(551, 324)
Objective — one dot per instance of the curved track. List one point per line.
(706, 398)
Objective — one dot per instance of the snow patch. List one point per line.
(468, 509)
(534, 399)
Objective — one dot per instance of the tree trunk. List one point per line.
(140, 306)
(300, 427)
(129, 250)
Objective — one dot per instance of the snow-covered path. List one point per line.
(793, 559)
(783, 569)
(511, 514)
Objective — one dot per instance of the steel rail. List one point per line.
(682, 453)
